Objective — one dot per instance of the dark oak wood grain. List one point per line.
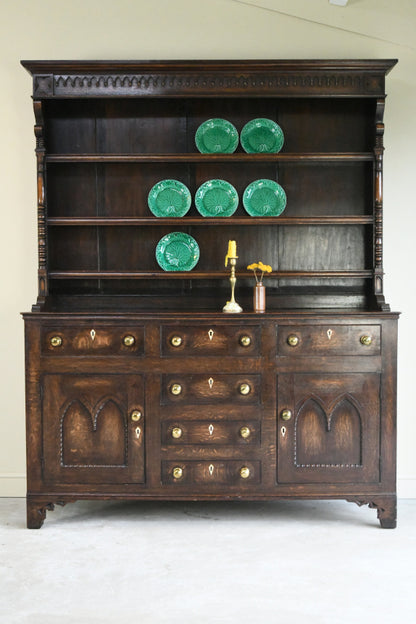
(138, 387)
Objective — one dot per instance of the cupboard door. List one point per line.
(328, 428)
(93, 428)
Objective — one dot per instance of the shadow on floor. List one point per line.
(310, 512)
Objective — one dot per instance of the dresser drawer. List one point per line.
(92, 340)
(226, 340)
(330, 339)
(227, 472)
(199, 389)
(180, 432)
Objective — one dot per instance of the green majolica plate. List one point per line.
(262, 136)
(264, 198)
(177, 251)
(169, 198)
(216, 136)
(216, 198)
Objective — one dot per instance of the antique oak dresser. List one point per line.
(138, 385)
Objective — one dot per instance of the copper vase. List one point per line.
(259, 298)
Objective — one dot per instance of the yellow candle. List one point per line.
(232, 249)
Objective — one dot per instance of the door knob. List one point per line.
(286, 414)
(176, 433)
(245, 432)
(245, 341)
(129, 340)
(293, 340)
(177, 472)
(176, 389)
(244, 389)
(244, 472)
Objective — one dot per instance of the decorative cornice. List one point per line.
(155, 67)
(284, 77)
(204, 83)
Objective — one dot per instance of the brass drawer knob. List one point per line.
(366, 340)
(245, 341)
(245, 389)
(176, 341)
(56, 341)
(286, 414)
(177, 433)
(129, 340)
(136, 415)
(177, 472)
(176, 389)
(245, 432)
(244, 472)
(293, 340)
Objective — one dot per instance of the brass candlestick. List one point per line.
(232, 306)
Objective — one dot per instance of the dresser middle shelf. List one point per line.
(185, 221)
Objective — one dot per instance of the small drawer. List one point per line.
(330, 339)
(225, 340)
(199, 389)
(182, 432)
(92, 340)
(232, 472)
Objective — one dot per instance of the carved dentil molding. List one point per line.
(188, 82)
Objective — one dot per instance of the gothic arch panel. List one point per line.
(93, 440)
(331, 438)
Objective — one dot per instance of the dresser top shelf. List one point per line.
(108, 132)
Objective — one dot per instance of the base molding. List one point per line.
(13, 485)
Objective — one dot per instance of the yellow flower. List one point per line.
(262, 268)
(266, 268)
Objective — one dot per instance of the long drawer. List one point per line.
(92, 340)
(206, 340)
(227, 472)
(202, 388)
(238, 433)
(330, 339)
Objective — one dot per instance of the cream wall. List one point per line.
(168, 29)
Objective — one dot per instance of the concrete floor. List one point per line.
(288, 562)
